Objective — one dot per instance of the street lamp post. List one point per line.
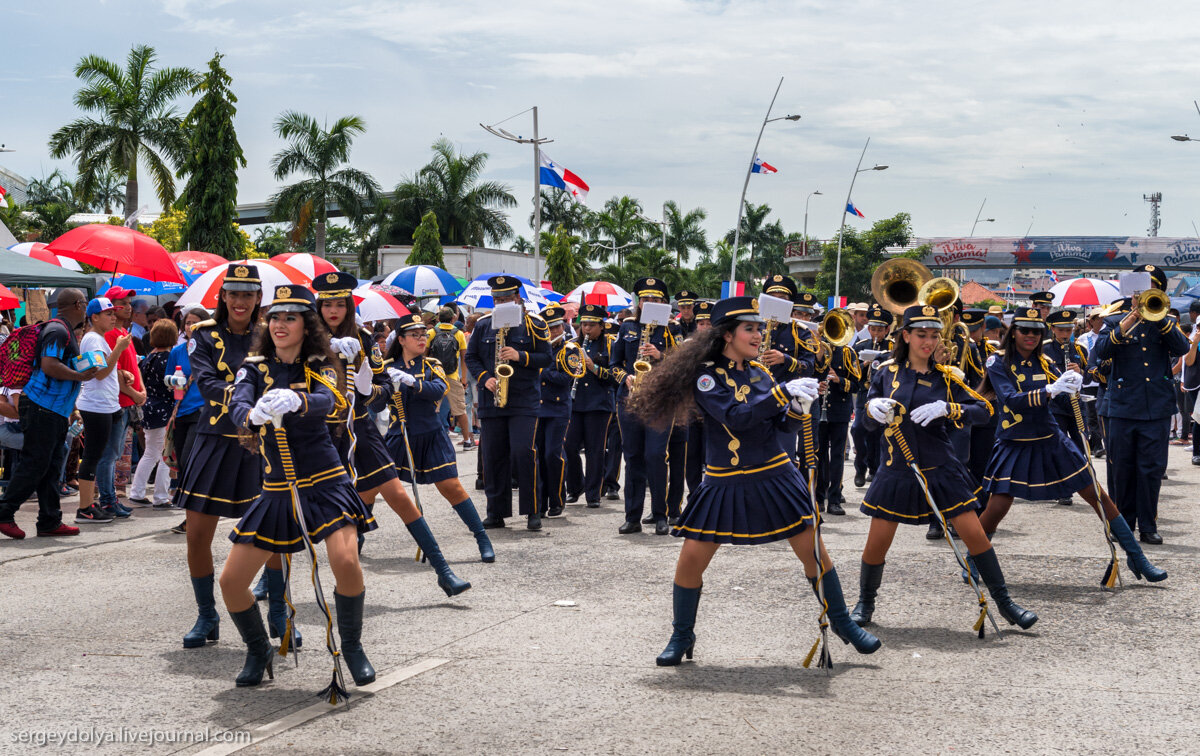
(977, 218)
(806, 199)
(837, 276)
(737, 227)
(612, 248)
(495, 130)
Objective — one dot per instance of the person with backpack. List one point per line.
(447, 345)
(45, 357)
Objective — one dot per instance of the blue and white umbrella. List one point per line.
(145, 286)
(478, 294)
(424, 281)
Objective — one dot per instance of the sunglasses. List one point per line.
(1028, 331)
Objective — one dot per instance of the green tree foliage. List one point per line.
(427, 245)
(560, 209)
(374, 229)
(618, 230)
(136, 122)
(566, 263)
(469, 211)
(53, 188)
(52, 219)
(14, 220)
(862, 253)
(108, 192)
(320, 155)
(685, 234)
(271, 240)
(168, 231)
(212, 160)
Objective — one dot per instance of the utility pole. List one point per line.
(1154, 200)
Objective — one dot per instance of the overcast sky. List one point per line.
(1058, 113)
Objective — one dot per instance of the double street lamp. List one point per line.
(837, 276)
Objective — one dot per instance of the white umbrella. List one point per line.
(206, 289)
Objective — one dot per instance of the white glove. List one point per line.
(400, 378)
(803, 389)
(362, 378)
(870, 355)
(1068, 383)
(927, 413)
(349, 347)
(283, 401)
(260, 413)
(882, 410)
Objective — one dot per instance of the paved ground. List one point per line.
(90, 645)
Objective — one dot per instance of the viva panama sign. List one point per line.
(1063, 251)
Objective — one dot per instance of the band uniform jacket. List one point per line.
(216, 354)
(532, 340)
(1140, 385)
(625, 348)
(556, 380)
(594, 391)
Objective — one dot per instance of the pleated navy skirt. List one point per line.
(1049, 468)
(220, 478)
(433, 456)
(372, 462)
(761, 507)
(896, 494)
(270, 525)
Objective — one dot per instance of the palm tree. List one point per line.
(106, 193)
(566, 264)
(52, 219)
(617, 226)
(374, 228)
(756, 232)
(560, 209)
(469, 211)
(684, 232)
(522, 245)
(137, 123)
(319, 154)
(51, 188)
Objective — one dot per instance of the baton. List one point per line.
(810, 461)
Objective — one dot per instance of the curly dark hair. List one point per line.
(347, 327)
(665, 397)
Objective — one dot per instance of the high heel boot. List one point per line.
(1138, 562)
(277, 608)
(446, 579)
(839, 618)
(208, 622)
(349, 621)
(258, 649)
(466, 511)
(869, 578)
(685, 601)
(989, 570)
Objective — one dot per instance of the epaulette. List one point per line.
(949, 373)
(315, 358)
(890, 363)
(483, 317)
(255, 358)
(759, 365)
(434, 361)
(205, 323)
(707, 364)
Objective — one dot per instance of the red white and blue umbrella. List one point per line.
(374, 304)
(146, 286)
(424, 281)
(206, 289)
(1084, 292)
(37, 251)
(478, 294)
(601, 293)
(310, 265)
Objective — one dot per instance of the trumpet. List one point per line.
(1153, 305)
(504, 371)
(641, 367)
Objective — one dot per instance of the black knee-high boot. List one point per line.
(449, 582)
(685, 601)
(208, 622)
(258, 649)
(839, 618)
(467, 512)
(349, 620)
(1138, 562)
(869, 578)
(989, 570)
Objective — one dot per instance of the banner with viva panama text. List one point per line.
(1051, 252)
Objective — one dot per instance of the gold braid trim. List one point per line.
(970, 391)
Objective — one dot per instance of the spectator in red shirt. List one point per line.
(132, 394)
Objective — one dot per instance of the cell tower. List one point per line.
(1154, 200)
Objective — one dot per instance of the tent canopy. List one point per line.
(19, 270)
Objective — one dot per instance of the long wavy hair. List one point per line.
(315, 343)
(665, 396)
(347, 327)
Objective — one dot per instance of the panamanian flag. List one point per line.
(850, 208)
(1052, 275)
(554, 174)
(762, 166)
(3, 197)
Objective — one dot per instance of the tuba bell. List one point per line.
(837, 327)
(1153, 305)
(897, 283)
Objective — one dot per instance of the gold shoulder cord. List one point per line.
(339, 401)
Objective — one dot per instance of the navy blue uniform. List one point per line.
(1139, 401)
(327, 496)
(432, 453)
(983, 435)
(751, 491)
(372, 465)
(644, 448)
(222, 477)
(591, 415)
(867, 442)
(1032, 457)
(896, 494)
(836, 407)
(507, 433)
(1061, 355)
(554, 415)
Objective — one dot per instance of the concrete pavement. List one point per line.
(553, 648)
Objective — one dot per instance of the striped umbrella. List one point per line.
(601, 293)
(37, 251)
(374, 304)
(1084, 292)
(193, 262)
(424, 281)
(205, 289)
(310, 265)
(478, 295)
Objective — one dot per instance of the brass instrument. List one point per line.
(837, 327)
(583, 345)
(767, 333)
(942, 293)
(1153, 305)
(897, 283)
(640, 366)
(504, 371)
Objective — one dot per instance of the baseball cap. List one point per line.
(98, 305)
(116, 292)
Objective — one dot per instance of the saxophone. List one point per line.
(765, 344)
(641, 367)
(504, 371)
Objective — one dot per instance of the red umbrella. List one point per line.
(8, 300)
(118, 250)
(195, 262)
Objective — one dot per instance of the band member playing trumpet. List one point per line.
(591, 410)
(877, 346)
(508, 427)
(637, 349)
(842, 381)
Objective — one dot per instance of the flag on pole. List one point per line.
(553, 174)
(1052, 275)
(3, 197)
(835, 302)
(850, 208)
(762, 166)
(738, 289)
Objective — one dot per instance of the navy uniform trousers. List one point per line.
(551, 436)
(1137, 460)
(588, 432)
(831, 459)
(694, 471)
(645, 451)
(506, 446)
(676, 469)
(612, 456)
